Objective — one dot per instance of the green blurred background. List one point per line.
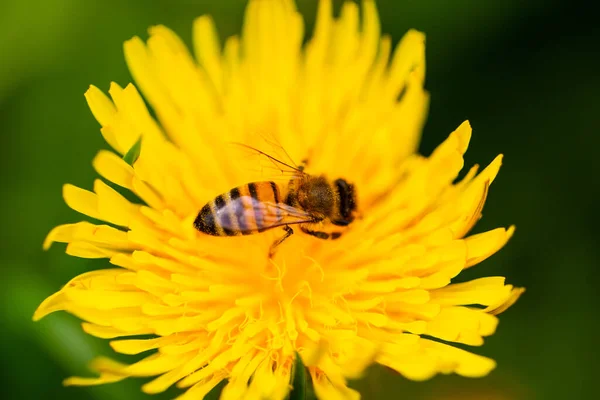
(525, 73)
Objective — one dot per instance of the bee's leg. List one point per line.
(303, 164)
(288, 232)
(321, 234)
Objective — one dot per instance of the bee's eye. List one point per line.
(346, 199)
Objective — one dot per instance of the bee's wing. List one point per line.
(246, 214)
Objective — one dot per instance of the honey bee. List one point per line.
(259, 206)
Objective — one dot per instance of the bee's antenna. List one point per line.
(273, 159)
(274, 143)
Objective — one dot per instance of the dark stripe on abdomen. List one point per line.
(208, 221)
(276, 198)
(225, 218)
(234, 194)
(275, 192)
(237, 211)
(252, 190)
(258, 217)
(205, 221)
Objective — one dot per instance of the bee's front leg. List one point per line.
(288, 232)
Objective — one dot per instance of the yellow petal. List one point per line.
(408, 56)
(484, 291)
(483, 245)
(107, 332)
(462, 325)
(88, 250)
(107, 369)
(208, 50)
(143, 71)
(101, 106)
(132, 109)
(155, 364)
(201, 389)
(452, 359)
(503, 304)
(325, 389)
(51, 304)
(136, 346)
(113, 168)
(81, 201)
(112, 206)
(106, 300)
(103, 235)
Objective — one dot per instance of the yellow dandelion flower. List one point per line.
(218, 308)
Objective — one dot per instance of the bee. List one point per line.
(256, 207)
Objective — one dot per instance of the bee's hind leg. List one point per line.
(288, 232)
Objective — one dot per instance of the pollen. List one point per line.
(215, 309)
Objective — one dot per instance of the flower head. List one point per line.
(218, 308)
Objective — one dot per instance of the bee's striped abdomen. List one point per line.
(241, 211)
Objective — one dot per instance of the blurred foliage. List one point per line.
(523, 72)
